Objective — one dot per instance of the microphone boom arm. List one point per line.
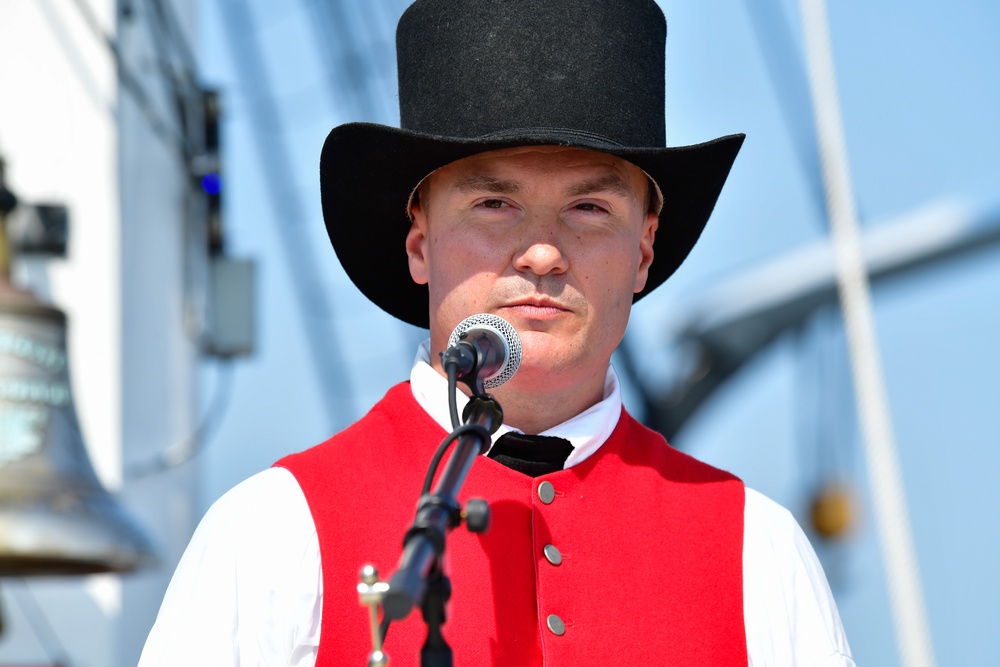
(484, 352)
(437, 513)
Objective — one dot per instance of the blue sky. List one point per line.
(920, 99)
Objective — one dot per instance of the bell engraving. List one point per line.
(55, 516)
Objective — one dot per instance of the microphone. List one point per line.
(486, 350)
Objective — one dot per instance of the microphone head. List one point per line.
(495, 338)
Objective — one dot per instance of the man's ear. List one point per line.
(649, 227)
(417, 245)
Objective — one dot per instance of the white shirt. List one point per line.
(248, 590)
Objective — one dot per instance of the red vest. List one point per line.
(651, 545)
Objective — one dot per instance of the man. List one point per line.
(530, 181)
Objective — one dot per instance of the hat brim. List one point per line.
(368, 171)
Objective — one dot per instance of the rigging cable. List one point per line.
(130, 83)
(288, 214)
(184, 450)
(41, 626)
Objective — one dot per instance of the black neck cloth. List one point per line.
(532, 455)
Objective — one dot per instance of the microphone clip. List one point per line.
(467, 360)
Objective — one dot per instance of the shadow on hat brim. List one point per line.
(368, 171)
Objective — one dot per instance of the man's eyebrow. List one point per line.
(483, 182)
(608, 183)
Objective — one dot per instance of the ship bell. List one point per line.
(55, 516)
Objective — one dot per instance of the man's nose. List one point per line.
(540, 251)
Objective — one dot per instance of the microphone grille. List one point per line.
(507, 336)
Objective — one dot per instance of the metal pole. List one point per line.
(7, 204)
(888, 498)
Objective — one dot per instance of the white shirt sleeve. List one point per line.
(248, 589)
(788, 609)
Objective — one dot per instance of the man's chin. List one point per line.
(532, 377)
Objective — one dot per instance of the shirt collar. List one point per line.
(586, 431)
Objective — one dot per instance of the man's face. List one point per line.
(554, 240)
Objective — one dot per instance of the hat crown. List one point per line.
(478, 68)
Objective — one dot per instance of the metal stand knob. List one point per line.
(370, 593)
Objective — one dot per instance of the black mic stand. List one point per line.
(419, 580)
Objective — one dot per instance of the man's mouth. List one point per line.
(536, 308)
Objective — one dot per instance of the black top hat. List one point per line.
(480, 75)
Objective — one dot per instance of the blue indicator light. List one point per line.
(211, 184)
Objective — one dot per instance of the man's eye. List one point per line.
(588, 206)
(493, 203)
